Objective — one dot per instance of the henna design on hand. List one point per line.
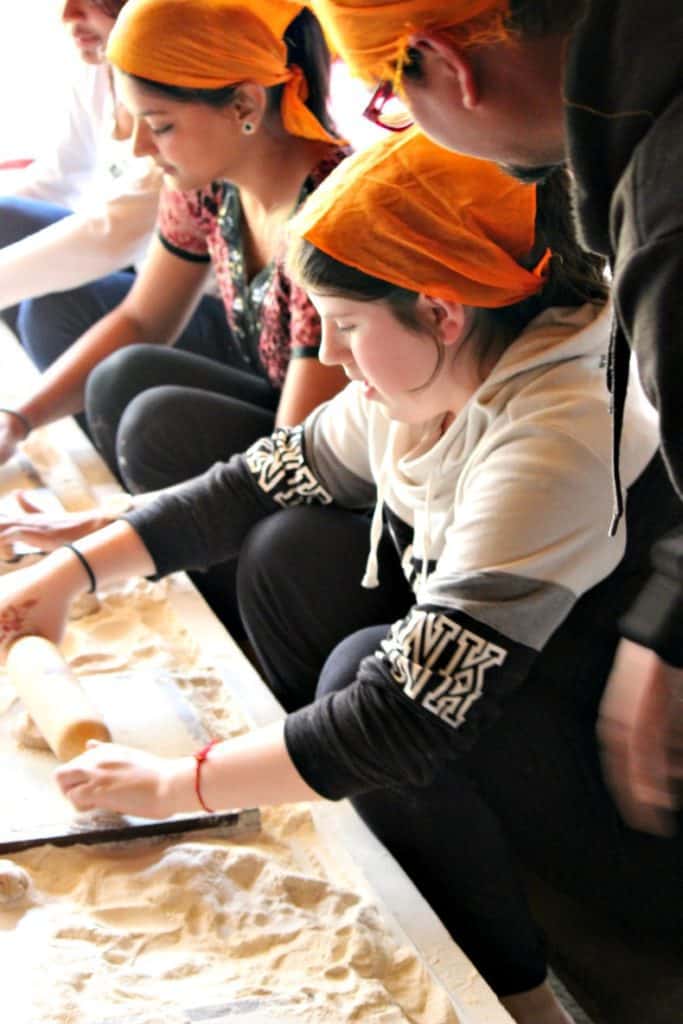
(12, 621)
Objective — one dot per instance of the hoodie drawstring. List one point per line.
(618, 360)
(371, 575)
(426, 536)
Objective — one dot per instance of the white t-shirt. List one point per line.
(113, 194)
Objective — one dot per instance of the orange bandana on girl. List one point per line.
(372, 35)
(411, 213)
(210, 44)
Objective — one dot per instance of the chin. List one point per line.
(532, 175)
(184, 181)
(92, 56)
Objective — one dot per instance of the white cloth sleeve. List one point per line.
(81, 247)
(68, 158)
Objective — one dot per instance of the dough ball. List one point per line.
(27, 733)
(15, 883)
(86, 604)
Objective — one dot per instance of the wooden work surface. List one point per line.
(348, 841)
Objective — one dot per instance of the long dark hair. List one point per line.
(306, 47)
(574, 277)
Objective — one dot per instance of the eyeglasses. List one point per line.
(387, 110)
(109, 7)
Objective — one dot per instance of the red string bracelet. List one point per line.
(200, 757)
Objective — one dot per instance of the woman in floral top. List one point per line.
(230, 100)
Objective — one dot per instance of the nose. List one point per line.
(143, 140)
(330, 350)
(72, 10)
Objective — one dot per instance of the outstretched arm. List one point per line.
(155, 310)
(251, 771)
(36, 600)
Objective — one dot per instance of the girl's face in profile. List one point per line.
(193, 143)
(397, 365)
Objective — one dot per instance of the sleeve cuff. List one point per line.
(655, 619)
(324, 774)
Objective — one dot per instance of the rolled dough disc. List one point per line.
(15, 883)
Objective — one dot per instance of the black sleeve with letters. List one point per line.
(437, 681)
(203, 522)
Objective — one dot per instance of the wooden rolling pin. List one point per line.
(53, 697)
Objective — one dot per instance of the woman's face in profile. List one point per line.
(193, 143)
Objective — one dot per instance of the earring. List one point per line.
(248, 128)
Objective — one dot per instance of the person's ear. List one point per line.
(449, 318)
(441, 59)
(248, 106)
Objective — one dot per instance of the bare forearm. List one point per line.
(61, 388)
(251, 771)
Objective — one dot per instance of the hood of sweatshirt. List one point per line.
(551, 378)
(624, 69)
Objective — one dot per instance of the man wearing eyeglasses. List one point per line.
(85, 208)
(600, 83)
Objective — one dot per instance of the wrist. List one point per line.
(20, 425)
(178, 793)
(200, 758)
(64, 573)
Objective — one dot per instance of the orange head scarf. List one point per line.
(209, 44)
(411, 213)
(372, 35)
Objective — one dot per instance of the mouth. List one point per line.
(86, 41)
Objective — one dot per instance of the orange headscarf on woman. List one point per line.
(372, 35)
(209, 44)
(411, 213)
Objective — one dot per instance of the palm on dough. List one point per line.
(46, 530)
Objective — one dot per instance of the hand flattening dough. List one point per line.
(15, 883)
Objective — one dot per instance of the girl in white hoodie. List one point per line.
(410, 551)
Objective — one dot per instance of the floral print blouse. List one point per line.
(271, 319)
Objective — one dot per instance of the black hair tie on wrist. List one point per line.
(24, 420)
(86, 565)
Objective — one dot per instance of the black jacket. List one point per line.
(624, 91)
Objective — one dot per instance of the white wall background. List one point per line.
(33, 49)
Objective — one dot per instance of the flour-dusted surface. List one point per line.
(156, 928)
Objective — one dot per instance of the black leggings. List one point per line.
(159, 415)
(529, 794)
